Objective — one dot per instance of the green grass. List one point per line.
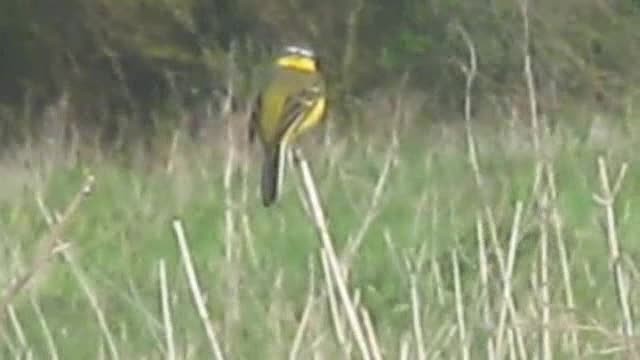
(256, 295)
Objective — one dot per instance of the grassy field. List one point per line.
(518, 266)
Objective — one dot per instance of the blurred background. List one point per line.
(129, 68)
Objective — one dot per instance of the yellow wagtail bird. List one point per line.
(293, 101)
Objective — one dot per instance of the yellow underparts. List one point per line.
(311, 119)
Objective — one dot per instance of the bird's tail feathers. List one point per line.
(273, 173)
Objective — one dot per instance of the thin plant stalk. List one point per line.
(417, 318)
(606, 200)
(166, 312)
(371, 335)
(50, 247)
(545, 299)
(338, 321)
(556, 222)
(484, 283)
(195, 290)
(507, 277)
(48, 336)
(320, 222)
(462, 328)
(306, 314)
(17, 328)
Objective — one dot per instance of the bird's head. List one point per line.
(298, 58)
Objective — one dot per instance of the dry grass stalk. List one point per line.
(336, 316)
(484, 284)
(12, 348)
(607, 200)
(462, 328)
(245, 220)
(417, 319)
(83, 281)
(170, 351)
(470, 72)
(306, 314)
(528, 71)
(49, 245)
(171, 157)
(507, 301)
(371, 334)
(52, 220)
(320, 222)
(196, 292)
(19, 331)
(48, 336)
(545, 298)
(232, 248)
(404, 346)
(373, 209)
(556, 222)
(437, 278)
(276, 309)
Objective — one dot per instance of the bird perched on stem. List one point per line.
(292, 102)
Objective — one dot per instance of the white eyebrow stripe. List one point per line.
(300, 51)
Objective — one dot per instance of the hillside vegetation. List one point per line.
(477, 171)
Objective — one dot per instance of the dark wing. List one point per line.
(254, 119)
(296, 106)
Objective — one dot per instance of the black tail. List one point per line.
(272, 174)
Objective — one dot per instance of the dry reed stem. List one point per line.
(17, 329)
(297, 342)
(166, 312)
(556, 221)
(372, 212)
(437, 277)
(306, 314)
(95, 305)
(320, 222)
(528, 71)
(470, 72)
(392, 250)
(334, 309)
(244, 215)
(460, 306)
(248, 235)
(46, 331)
(11, 347)
(484, 284)
(153, 323)
(50, 248)
(82, 279)
(513, 353)
(545, 298)
(607, 200)
(507, 302)
(171, 157)
(232, 248)
(275, 311)
(443, 338)
(371, 334)
(417, 318)
(404, 347)
(196, 292)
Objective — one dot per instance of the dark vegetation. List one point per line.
(147, 61)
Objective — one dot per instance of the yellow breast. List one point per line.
(313, 118)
